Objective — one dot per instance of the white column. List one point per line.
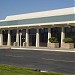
(20, 38)
(27, 38)
(17, 37)
(1, 38)
(9, 39)
(62, 35)
(37, 37)
(49, 34)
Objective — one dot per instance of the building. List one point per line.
(34, 29)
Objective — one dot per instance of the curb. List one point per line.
(42, 49)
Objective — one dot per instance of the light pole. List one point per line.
(20, 39)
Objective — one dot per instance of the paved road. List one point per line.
(62, 62)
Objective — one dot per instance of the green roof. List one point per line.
(60, 18)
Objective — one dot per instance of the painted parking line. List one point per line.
(57, 60)
(13, 56)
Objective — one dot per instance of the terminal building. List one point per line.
(34, 29)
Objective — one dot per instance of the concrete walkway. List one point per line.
(45, 49)
(39, 48)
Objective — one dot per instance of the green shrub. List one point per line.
(53, 40)
(68, 40)
(73, 39)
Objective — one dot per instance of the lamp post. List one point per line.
(20, 38)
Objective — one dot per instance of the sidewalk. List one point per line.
(45, 49)
(39, 49)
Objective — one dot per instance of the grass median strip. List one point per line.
(15, 70)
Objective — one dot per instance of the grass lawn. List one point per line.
(15, 70)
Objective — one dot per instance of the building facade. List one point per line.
(34, 29)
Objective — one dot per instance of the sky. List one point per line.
(14, 7)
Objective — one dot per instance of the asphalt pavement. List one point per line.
(52, 61)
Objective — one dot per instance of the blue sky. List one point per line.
(13, 7)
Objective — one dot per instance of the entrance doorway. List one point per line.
(32, 37)
(5, 37)
(56, 32)
(22, 36)
(13, 37)
(43, 35)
